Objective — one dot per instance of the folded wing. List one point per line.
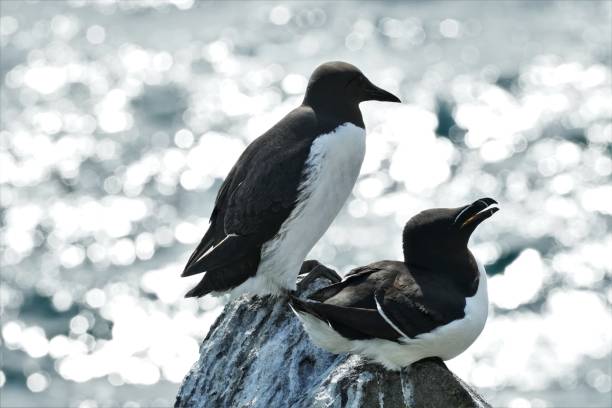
(382, 300)
(255, 199)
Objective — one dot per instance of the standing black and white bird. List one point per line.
(434, 304)
(286, 188)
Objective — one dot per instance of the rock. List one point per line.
(257, 355)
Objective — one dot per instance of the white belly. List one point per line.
(446, 341)
(332, 167)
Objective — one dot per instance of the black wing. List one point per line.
(215, 231)
(382, 300)
(414, 309)
(351, 322)
(252, 204)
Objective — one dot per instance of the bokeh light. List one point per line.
(120, 119)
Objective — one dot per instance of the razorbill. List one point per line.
(286, 188)
(434, 304)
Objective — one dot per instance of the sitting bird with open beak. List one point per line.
(433, 304)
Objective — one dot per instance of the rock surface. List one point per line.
(257, 355)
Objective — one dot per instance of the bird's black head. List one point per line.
(340, 87)
(437, 239)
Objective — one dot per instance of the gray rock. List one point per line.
(257, 355)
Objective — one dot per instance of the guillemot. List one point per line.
(286, 188)
(433, 304)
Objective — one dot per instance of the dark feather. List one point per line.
(255, 199)
(354, 323)
(232, 248)
(227, 277)
(400, 293)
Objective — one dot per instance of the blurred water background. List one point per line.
(121, 119)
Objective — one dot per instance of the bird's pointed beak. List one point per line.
(470, 216)
(373, 93)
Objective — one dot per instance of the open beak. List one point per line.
(472, 215)
(373, 93)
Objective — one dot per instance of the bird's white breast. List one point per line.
(330, 172)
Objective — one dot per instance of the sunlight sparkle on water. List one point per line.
(115, 139)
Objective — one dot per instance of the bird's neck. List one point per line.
(462, 272)
(335, 111)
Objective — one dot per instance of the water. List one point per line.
(120, 120)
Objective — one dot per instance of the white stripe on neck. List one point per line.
(384, 316)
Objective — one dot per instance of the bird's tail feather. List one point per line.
(302, 306)
(227, 276)
(207, 242)
(232, 247)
